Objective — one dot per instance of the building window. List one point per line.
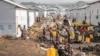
(1, 27)
(10, 27)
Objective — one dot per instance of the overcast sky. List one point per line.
(53, 1)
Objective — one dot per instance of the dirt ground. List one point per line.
(20, 48)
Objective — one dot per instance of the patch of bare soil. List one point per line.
(20, 48)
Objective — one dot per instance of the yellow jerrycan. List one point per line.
(87, 40)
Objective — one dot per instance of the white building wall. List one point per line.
(7, 19)
(88, 14)
(74, 13)
(93, 8)
(78, 14)
(21, 15)
(81, 14)
(68, 13)
(31, 18)
(21, 19)
(45, 13)
(71, 14)
(41, 13)
(36, 13)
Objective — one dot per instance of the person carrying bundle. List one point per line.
(72, 33)
(82, 32)
(53, 35)
(64, 33)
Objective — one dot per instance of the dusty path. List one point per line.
(19, 48)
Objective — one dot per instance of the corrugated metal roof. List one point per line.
(13, 3)
(36, 8)
(79, 8)
(94, 2)
(83, 7)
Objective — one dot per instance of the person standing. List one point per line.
(24, 33)
(19, 33)
(44, 31)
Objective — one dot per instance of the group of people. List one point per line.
(22, 32)
(81, 34)
(61, 35)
